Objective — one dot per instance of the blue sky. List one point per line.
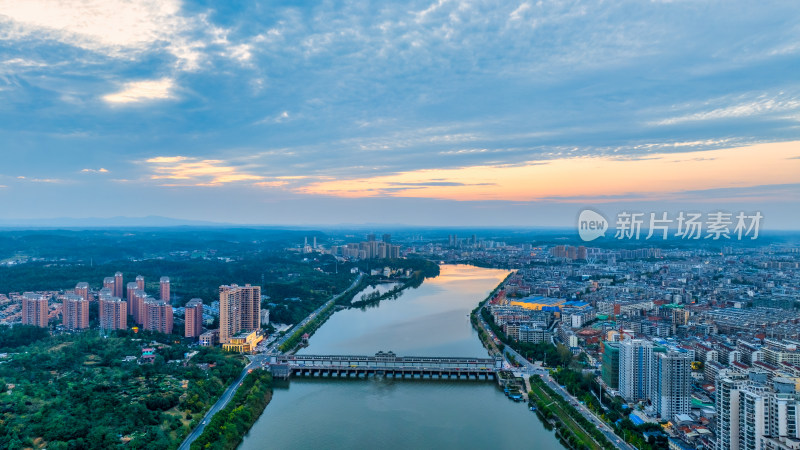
(398, 112)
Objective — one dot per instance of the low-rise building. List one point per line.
(243, 342)
(210, 338)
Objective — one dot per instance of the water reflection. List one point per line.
(401, 414)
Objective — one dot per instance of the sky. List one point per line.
(471, 113)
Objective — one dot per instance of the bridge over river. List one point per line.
(385, 364)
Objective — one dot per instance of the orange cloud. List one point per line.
(573, 178)
(198, 172)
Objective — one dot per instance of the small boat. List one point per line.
(533, 408)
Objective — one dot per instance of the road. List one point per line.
(529, 369)
(256, 362)
(221, 403)
(532, 369)
(486, 328)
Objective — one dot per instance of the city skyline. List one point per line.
(424, 113)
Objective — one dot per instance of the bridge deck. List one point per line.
(387, 364)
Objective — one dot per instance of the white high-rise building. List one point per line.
(728, 384)
(671, 383)
(754, 414)
(635, 360)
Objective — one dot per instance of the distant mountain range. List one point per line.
(165, 222)
(107, 222)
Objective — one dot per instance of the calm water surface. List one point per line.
(395, 414)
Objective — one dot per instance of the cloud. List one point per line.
(13, 65)
(277, 183)
(348, 92)
(100, 170)
(761, 106)
(197, 172)
(167, 159)
(600, 178)
(41, 180)
(46, 180)
(281, 117)
(124, 30)
(142, 91)
(518, 13)
(437, 183)
(115, 28)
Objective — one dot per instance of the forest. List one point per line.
(88, 391)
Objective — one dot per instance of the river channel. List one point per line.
(431, 320)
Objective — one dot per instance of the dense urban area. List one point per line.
(161, 339)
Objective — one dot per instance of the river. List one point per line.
(431, 320)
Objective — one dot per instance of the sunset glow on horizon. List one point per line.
(415, 112)
(654, 176)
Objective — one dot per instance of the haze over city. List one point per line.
(419, 113)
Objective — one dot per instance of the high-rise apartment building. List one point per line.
(754, 412)
(108, 283)
(131, 288)
(113, 313)
(164, 289)
(239, 310)
(671, 383)
(194, 318)
(137, 305)
(784, 410)
(610, 367)
(104, 294)
(75, 312)
(753, 415)
(82, 289)
(728, 383)
(635, 359)
(118, 286)
(34, 309)
(140, 282)
(158, 316)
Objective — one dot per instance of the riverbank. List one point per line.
(291, 344)
(573, 429)
(421, 270)
(318, 317)
(381, 412)
(477, 324)
(227, 428)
